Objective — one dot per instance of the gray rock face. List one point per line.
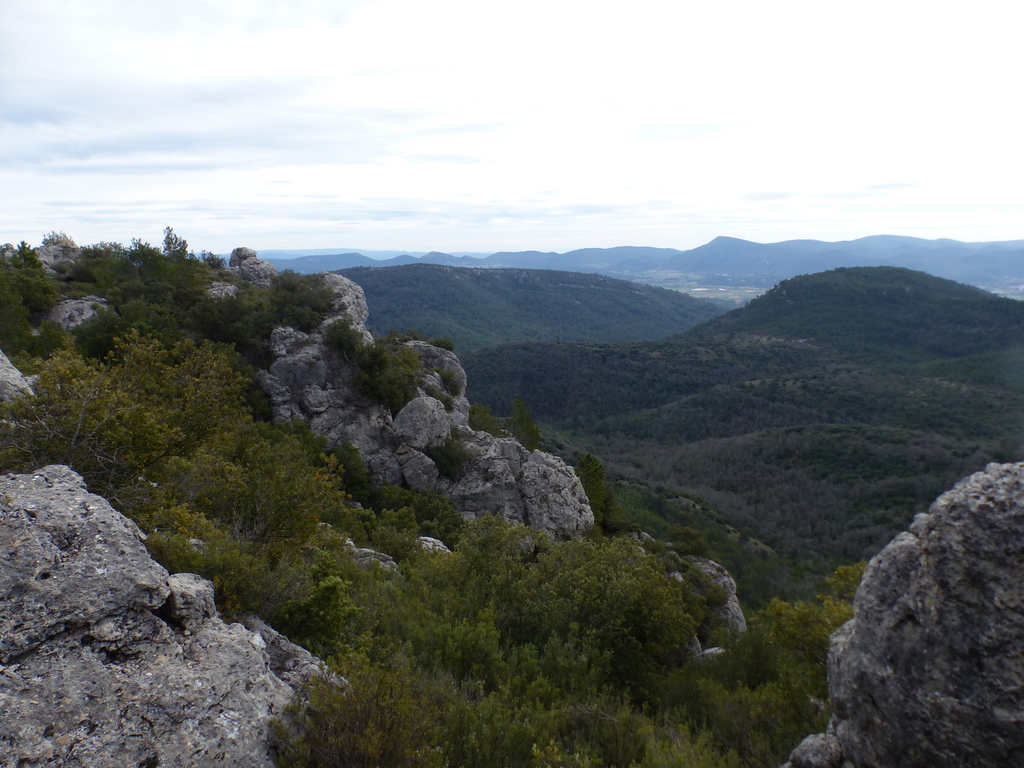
(220, 290)
(251, 268)
(367, 558)
(349, 299)
(930, 671)
(308, 381)
(730, 613)
(434, 546)
(423, 423)
(105, 660)
(71, 313)
(528, 487)
(12, 382)
(52, 255)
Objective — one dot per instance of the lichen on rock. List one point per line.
(930, 670)
(106, 660)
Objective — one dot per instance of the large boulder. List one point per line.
(106, 660)
(71, 313)
(930, 670)
(248, 266)
(532, 488)
(729, 612)
(53, 255)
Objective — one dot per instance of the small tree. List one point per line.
(174, 245)
(591, 473)
(58, 238)
(521, 425)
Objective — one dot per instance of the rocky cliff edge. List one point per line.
(107, 660)
(930, 670)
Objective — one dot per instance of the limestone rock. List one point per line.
(52, 255)
(730, 613)
(12, 382)
(434, 546)
(240, 256)
(367, 557)
(251, 268)
(528, 487)
(349, 300)
(418, 469)
(930, 670)
(822, 750)
(191, 602)
(308, 381)
(221, 290)
(105, 660)
(423, 423)
(71, 313)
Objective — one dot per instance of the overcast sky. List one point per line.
(481, 126)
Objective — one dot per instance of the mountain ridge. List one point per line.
(994, 265)
(478, 307)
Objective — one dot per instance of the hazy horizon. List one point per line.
(459, 126)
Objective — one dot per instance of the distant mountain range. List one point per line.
(728, 261)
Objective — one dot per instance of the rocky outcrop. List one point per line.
(53, 255)
(71, 313)
(248, 266)
(930, 670)
(106, 660)
(529, 487)
(309, 381)
(730, 612)
(12, 382)
(221, 290)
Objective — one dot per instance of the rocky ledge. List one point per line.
(107, 660)
(930, 670)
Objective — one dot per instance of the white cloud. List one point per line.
(461, 124)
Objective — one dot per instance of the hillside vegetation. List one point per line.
(479, 308)
(820, 417)
(513, 650)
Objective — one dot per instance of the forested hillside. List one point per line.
(511, 650)
(479, 308)
(820, 417)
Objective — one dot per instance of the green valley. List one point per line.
(819, 418)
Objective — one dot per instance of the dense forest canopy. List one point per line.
(820, 417)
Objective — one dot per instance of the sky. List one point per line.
(471, 125)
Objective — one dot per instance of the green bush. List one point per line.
(383, 716)
(451, 457)
(482, 420)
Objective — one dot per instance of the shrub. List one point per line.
(443, 342)
(383, 716)
(58, 238)
(450, 380)
(482, 420)
(442, 396)
(451, 457)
